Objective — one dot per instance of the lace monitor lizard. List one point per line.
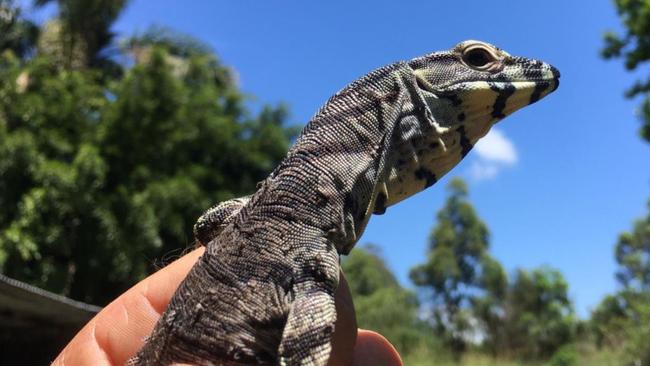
(262, 293)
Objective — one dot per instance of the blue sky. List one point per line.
(558, 181)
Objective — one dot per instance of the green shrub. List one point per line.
(565, 356)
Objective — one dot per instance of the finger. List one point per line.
(345, 328)
(119, 330)
(373, 349)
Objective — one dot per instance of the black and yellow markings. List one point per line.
(504, 91)
(427, 176)
(540, 87)
(380, 204)
(465, 143)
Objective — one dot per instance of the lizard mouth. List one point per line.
(481, 103)
(544, 78)
(496, 100)
(541, 83)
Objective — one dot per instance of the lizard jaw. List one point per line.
(462, 115)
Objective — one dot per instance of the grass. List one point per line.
(428, 357)
(422, 359)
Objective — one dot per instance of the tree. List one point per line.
(84, 30)
(459, 268)
(634, 48)
(490, 307)
(177, 44)
(633, 256)
(381, 303)
(101, 175)
(539, 316)
(18, 34)
(621, 320)
(52, 174)
(610, 320)
(471, 298)
(638, 347)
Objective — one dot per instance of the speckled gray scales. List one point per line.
(263, 291)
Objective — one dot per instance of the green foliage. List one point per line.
(539, 315)
(381, 303)
(638, 347)
(530, 318)
(633, 256)
(367, 272)
(458, 269)
(101, 174)
(18, 34)
(609, 321)
(175, 43)
(432, 357)
(489, 308)
(565, 356)
(52, 174)
(634, 48)
(621, 321)
(86, 30)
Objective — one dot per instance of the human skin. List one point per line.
(118, 331)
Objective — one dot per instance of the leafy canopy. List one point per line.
(381, 303)
(633, 46)
(458, 269)
(103, 172)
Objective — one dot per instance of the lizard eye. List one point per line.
(478, 57)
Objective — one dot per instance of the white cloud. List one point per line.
(481, 170)
(494, 152)
(497, 148)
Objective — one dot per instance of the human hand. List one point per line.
(119, 330)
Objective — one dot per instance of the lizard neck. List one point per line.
(332, 176)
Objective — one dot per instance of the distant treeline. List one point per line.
(469, 310)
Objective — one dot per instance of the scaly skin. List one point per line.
(263, 291)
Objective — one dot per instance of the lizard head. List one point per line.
(477, 83)
(463, 91)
